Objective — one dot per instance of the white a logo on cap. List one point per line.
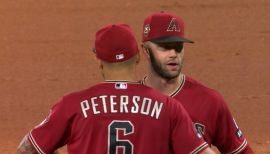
(174, 26)
(120, 56)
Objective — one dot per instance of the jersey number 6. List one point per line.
(114, 141)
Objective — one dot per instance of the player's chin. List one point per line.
(172, 74)
(173, 70)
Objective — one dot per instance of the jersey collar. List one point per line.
(177, 90)
(126, 81)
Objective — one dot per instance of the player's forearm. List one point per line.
(26, 147)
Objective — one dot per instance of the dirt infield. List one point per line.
(45, 53)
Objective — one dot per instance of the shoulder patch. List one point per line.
(238, 132)
(200, 129)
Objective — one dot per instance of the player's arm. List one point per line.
(247, 150)
(25, 147)
(184, 137)
(230, 138)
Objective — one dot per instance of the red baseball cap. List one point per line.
(115, 43)
(162, 27)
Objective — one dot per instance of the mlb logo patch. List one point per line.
(120, 56)
(120, 85)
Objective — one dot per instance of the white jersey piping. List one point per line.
(177, 90)
(34, 143)
(240, 148)
(199, 148)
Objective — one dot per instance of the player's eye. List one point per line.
(162, 48)
(176, 46)
(179, 48)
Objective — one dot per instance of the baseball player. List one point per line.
(163, 39)
(119, 115)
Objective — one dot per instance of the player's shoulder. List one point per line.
(201, 90)
(114, 87)
(71, 97)
(83, 91)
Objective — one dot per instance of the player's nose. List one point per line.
(172, 53)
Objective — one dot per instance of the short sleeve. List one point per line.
(185, 139)
(51, 133)
(229, 138)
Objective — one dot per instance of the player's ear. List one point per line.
(93, 51)
(142, 46)
(96, 59)
(138, 57)
(145, 49)
(99, 63)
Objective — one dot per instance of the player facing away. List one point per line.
(119, 115)
(162, 43)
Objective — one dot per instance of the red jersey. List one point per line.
(115, 118)
(211, 116)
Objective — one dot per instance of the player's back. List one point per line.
(123, 117)
(118, 117)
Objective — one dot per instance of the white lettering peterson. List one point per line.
(112, 104)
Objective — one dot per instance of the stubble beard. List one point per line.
(162, 72)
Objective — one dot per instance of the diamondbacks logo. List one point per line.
(200, 128)
(146, 30)
(174, 26)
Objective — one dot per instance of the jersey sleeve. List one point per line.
(229, 138)
(185, 139)
(51, 133)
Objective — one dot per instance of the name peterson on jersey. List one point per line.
(121, 104)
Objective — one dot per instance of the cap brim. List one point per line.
(171, 39)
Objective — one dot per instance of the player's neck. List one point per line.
(163, 85)
(119, 73)
(119, 76)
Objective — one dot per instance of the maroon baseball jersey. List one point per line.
(117, 118)
(211, 116)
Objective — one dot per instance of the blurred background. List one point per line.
(45, 52)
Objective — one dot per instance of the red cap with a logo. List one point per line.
(164, 27)
(115, 43)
